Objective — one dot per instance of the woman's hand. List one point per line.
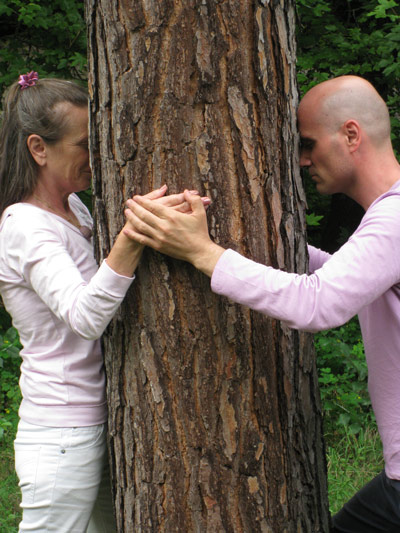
(125, 254)
(176, 201)
(177, 227)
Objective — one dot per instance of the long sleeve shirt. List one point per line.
(60, 303)
(362, 278)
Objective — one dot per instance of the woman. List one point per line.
(60, 302)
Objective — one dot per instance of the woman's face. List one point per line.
(67, 161)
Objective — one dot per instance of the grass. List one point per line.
(10, 514)
(353, 460)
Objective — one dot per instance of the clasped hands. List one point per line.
(175, 225)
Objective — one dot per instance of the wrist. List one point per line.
(207, 258)
(124, 255)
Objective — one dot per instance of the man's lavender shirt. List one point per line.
(363, 278)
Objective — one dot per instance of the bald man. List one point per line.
(345, 144)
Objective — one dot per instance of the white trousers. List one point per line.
(64, 479)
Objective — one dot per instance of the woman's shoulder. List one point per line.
(23, 211)
(22, 221)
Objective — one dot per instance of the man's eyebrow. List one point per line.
(306, 140)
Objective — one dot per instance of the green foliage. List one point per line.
(337, 37)
(10, 395)
(351, 37)
(10, 398)
(49, 37)
(343, 378)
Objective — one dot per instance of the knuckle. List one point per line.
(162, 239)
(167, 232)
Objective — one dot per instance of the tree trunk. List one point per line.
(214, 411)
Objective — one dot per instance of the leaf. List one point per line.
(354, 428)
(5, 9)
(344, 419)
(313, 220)
(13, 351)
(11, 335)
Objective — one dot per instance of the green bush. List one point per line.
(338, 37)
(343, 377)
(10, 395)
(360, 37)
(48, 37)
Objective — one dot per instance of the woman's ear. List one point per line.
(352, 131)
(37, 148)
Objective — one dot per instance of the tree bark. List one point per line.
(214, 410)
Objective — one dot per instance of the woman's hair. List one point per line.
(32, 110)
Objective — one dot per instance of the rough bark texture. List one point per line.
(214, 409)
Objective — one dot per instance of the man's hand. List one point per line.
(179, 230)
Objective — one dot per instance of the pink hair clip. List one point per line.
(28, 80)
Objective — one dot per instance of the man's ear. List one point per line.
(37, 148)
(352, 131)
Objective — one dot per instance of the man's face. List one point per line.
(323, 152)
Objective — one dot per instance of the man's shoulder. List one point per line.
(393, 193)
(390, 198)
(383, 215)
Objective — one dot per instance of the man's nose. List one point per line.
(305, 160)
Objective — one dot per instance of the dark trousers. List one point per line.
(375, 508)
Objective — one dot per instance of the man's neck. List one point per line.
(375, 177)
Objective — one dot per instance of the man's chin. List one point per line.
(321, 188)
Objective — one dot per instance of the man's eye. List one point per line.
(306, 145)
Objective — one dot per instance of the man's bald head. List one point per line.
(335, 101)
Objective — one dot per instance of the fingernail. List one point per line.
(194, 192)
